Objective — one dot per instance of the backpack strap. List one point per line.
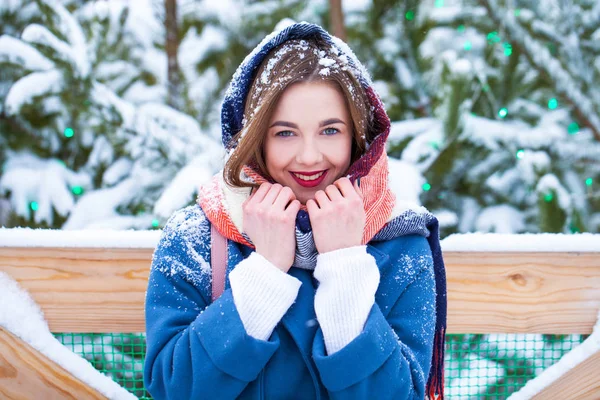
(218, 261)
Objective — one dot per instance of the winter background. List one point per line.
(110, 119)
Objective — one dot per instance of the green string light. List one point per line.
(520, 154)
(410, 15)
(573, 128)
(461, 29)
(589, 181)
(507, 49)
(503, 112)
(493, 37)
(517, 12)
(34, 205)
(548, 197)
(486, 88)
(69, 132)
(155, 223)
(426, 187)
(468, 46)
(552, 103)
(439, 3)
(77, 190)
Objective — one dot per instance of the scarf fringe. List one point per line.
(435, 385)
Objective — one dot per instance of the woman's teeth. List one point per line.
(309, 177)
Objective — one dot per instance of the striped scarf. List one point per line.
(219, 202)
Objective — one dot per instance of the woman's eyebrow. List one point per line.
(284, 123)
(331, 121)
(322, 123)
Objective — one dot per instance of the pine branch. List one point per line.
(541, 59)
(591, 19)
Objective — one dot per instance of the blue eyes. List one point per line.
(285, 133)
(326, 132)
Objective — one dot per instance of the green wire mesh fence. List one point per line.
(478, 367)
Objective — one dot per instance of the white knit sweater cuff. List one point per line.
(262, 294)
(348, 279)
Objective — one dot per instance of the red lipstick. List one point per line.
(311, 183)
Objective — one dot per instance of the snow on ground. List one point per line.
(20, 315)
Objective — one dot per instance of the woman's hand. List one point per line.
(270, 220)
(337, 216)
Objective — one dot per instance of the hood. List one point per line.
(232, 112)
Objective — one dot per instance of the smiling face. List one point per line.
(308, 143)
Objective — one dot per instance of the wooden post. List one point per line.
(26, 373)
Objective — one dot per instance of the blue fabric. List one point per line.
(199, 350)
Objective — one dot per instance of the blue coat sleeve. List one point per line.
(391, 357)
(195, 350)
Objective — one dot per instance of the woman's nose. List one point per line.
(309, 153)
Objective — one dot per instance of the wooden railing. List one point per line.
(103, 290)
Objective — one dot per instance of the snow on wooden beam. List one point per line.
(574, 376)
(26, 373)
(579, 383)
(103, 289)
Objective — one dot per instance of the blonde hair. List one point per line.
(292, 62)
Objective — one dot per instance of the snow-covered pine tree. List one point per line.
(84, 144)
(503, 136)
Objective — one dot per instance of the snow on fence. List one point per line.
(95, 281)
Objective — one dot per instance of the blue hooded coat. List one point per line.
(198, 349)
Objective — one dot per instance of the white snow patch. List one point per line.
(570, 360)
(20, 315)
(502, 218)
(108, 238)
(405, 181)
(20, 53)
(527, 242)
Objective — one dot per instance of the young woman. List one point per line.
(333, 289)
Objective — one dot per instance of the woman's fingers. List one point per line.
(311, 207)
(322, 200)
(333, 193)
(260, 193)
(293, 208)
(346, 188)
(283, 198)
(272, 194)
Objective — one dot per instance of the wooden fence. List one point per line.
(103, 289)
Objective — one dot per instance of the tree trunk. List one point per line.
(336, 19)
(174, 92)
